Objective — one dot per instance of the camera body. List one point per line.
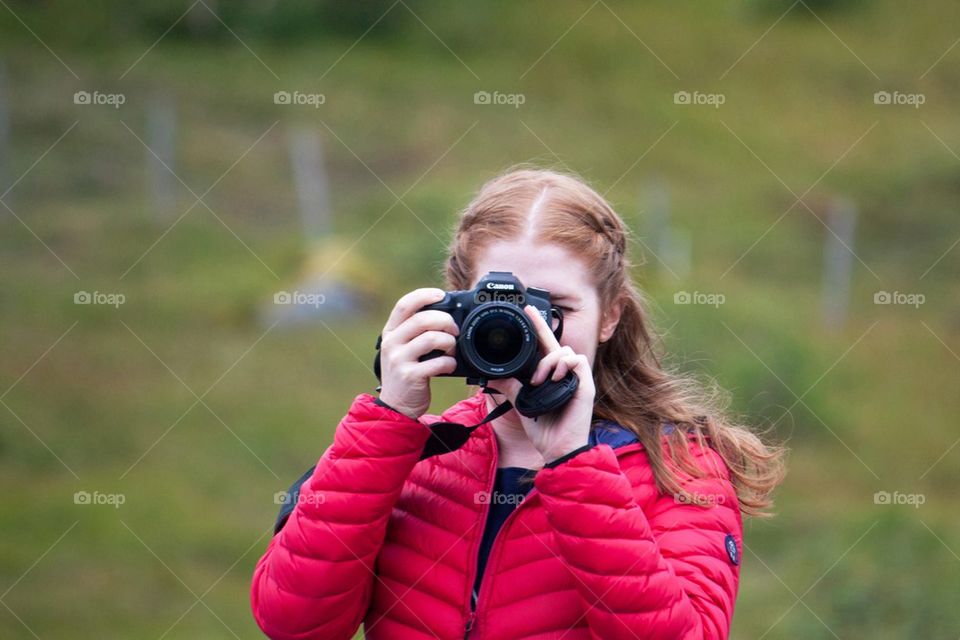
(497, 339)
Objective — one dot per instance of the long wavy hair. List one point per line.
(633, 388)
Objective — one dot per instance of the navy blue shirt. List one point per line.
(509, 489)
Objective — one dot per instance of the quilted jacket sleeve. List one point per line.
(668, 569)
(316, 578)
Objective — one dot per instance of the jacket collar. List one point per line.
(474, 409)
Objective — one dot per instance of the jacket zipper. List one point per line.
(467, 627)
(475, 550)
(485, 581)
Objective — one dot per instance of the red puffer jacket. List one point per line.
(594, 551)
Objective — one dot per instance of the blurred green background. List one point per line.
(191, 406)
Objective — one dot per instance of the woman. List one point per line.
(631, 526)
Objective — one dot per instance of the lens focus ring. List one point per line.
(498, 340)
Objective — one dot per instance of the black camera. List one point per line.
(498, 340)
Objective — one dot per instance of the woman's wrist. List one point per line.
(565, 453)
(379, 401)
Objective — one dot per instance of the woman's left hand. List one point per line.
(567, 428)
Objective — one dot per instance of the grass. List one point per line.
(876, 416)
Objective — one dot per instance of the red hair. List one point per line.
(633, 387)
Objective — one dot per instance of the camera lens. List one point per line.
(498, 340)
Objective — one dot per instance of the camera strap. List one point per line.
(446, 437)
(532, 402)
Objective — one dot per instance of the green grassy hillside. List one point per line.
(185, 404)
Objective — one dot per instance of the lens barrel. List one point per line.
(498, 340)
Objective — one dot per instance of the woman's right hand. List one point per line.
(408, 335)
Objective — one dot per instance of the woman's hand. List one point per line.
(409, 334)
(568, 428)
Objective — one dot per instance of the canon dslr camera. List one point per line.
(498, 340)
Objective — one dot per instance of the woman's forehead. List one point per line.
(543, 265)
